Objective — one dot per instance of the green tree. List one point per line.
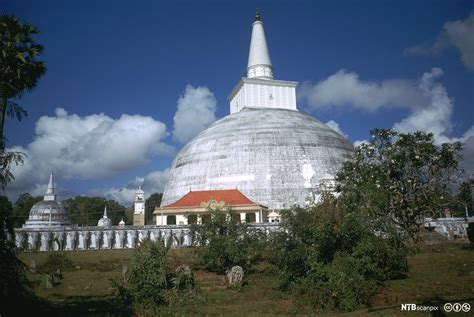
(7, 158)
(332, 257)
(400, 179)
(87, 211)
(226, 243)
(15, 289)
(22, 207)
(148, 277)
(19, 72)
(464, 199)
(153, 201)
(19, 67)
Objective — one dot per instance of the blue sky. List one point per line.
(128, 83)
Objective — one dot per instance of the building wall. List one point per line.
(99, 238)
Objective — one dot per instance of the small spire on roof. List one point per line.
(105, 211)
(50, 192)
(257, 15)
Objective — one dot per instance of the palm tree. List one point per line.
(19, 69)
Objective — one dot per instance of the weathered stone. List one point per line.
(235, 276)
(33, 266)
(57, 276)
(124, 270)
(49, 281)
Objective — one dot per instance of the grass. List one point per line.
(438, 274)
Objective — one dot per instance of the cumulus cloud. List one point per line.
(335, 126)
(152, 183)
(346, 89)
(430, 107)
(436, 116)
(196, 110)
(458, 34)
(90, 147)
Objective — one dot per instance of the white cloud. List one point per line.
(360, 142)
(196, 110)
(152, 183)
(436, 116)
(91, 147)
(459, 33)
(335, 126)
(346, 89)
(427, 100)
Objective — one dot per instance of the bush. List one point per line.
(470, 232)
(55, 261)
(150, 282)
(333, 258)
(148, 276)
(225, 244)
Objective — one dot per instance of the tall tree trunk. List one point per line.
(3, 113)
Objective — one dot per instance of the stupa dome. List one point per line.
(49, 212)
(104, 221)
(267, 149)
(276, 157)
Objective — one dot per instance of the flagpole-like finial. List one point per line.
(257, 15)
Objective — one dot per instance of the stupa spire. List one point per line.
(50, 195)
(105, 211)
(260, 64)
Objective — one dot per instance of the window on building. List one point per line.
(235, 218)
(250, 217)
(171, 220)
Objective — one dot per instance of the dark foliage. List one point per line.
(153, 201)
(87, 211)
(226, 243)
(401, 178)
(333, 258)
(150, 282)
(15, 289)
(21, 210)
(56, 261)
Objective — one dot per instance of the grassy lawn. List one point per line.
(438, 274)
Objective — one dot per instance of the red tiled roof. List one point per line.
(229, 196)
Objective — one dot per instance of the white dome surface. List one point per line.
(276, 157)
(47, 214)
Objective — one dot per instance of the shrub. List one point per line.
(333, 258)
(148, 276)
(225, 244)
(55, 261)
(470, 232)
(150, 282)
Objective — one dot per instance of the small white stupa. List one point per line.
(105, 221)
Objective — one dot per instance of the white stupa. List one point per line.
(105, 222)
(267, 149)
(49, 212)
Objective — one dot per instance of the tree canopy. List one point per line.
(19, 67)
(153, 201)
(87, 211)
(400, 178)
(22, 207)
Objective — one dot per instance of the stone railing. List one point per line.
(99, 238)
